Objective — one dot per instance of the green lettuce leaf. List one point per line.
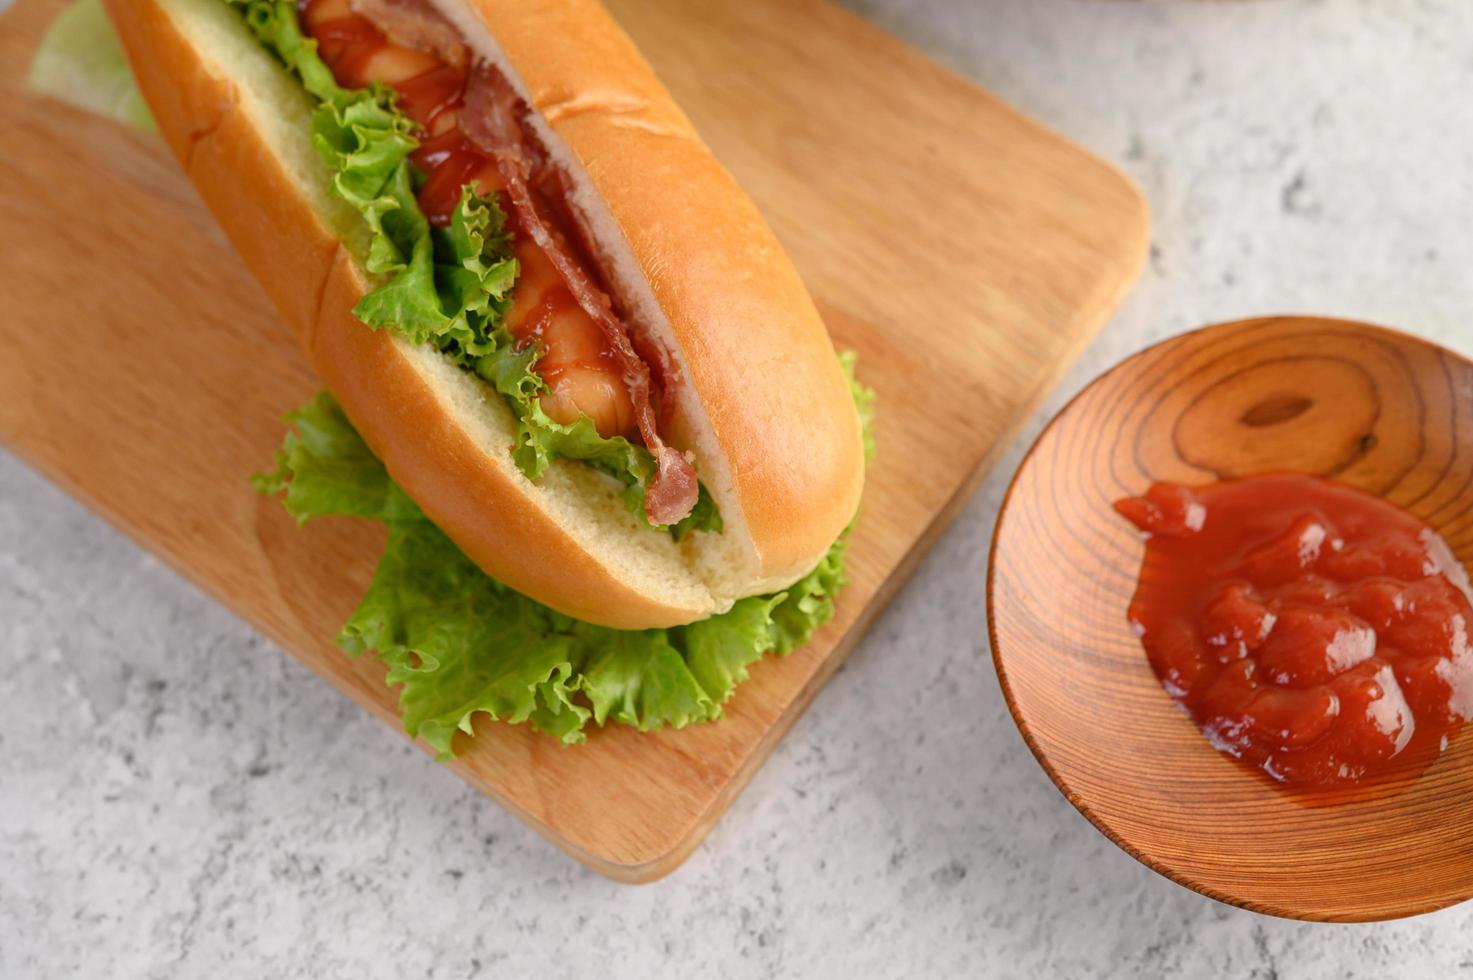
(458, 643)
(864, 401)
(450, 287)
(324, 468)
(365, 142)
(80, 62)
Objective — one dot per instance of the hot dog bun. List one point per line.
(761, 404)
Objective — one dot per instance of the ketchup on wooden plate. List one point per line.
(1311, 630)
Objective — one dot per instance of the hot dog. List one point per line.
(621, 401)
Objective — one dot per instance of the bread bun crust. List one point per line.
(763, 402)
(761, 373)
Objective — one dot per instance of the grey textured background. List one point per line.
(178, 798)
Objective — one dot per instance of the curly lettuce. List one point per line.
(449, 287)
(459, 643)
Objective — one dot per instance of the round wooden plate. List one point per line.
(1368, 406)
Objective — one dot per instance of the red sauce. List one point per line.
(432, 92)
(1309, 629)
(347, 43)
(427, 97)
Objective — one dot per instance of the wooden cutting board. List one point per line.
(966, 252)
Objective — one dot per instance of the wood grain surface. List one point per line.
(1379, 410)
(964, 251)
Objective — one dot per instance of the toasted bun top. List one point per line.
(761, 402)
(766, 409)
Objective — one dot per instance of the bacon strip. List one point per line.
(493, 120)
(415, 24)
(664, 373)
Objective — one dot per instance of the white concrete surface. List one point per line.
(179, 798)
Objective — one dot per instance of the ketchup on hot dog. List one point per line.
(578, 364)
